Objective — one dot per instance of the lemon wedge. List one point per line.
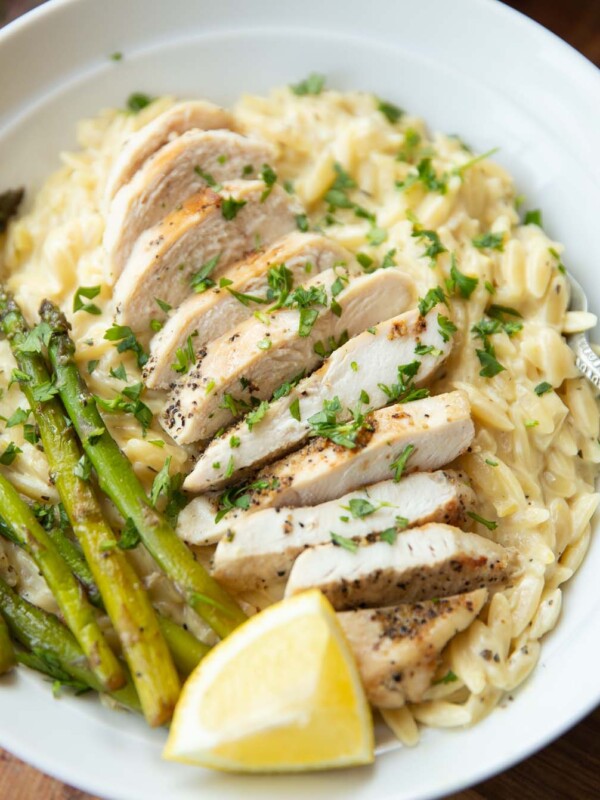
(281, 693)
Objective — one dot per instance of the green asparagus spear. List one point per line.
(77, 564)
(78, 613)
(49, 665)
(119, 481)
(7, 652)
(53, 643)
(186, 650)
(122, 592)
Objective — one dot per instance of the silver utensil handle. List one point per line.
(586, 361)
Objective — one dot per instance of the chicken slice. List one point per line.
(253, 358)
(366, 363)
(433, 561)
(166, 257)
(438, 428)
(144, 143)
(206, 316)
(397, 648)
(261, 548)
(182, 167)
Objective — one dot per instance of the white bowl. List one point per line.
(472, 67)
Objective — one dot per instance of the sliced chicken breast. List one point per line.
(367, 363)
(438, 428)
(425, 563)
(256, 356)
(206, 316)
(144, 143)
(190, 162)
(397, 648)
(260, 549)
(166, 258)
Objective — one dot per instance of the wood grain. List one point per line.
(568, 769)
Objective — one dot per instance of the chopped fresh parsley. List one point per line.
(533, 218)
(435, 246)
(166, 307)
(345, 433)
(125, 339)
(313, 85)
(460, 170)
(488, 523)
(20, 416)
(490, 241)
(35, 339)
(343, 541)
(490, 366)
(89, 292)
(137, 101)
(364, 260)
(399, 464)
(359, 507)
(376, 236)
(130, 536)
(239, 496)
(491, 463)
(302, 222)
(498, 312)
(129, 402)
(308, 317)
(264, 344)
(390, 111)
(295, 409)
(540, 389)
(404, 391)
(531, 423)
(325, 348)
(200, 281)
(246, 299)
(446, 327)
(18, 376)
(255, 416)
(44, 392)
(119, 373)
(161, 483)
(465, 284)
(9, 454)
(426, 175)
(185, 357)
(449, 677)
(388, 259)
(230, 207)
(269, 178)
(91, 365)
(427, 350)
(431, 299)
(206, 176)
(412, 140)
(286, 388)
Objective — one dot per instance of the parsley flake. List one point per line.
(343, 541)
(488, 523)
(89, 292)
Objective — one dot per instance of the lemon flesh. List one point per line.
(281, 693)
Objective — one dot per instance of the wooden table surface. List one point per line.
(568, 769)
